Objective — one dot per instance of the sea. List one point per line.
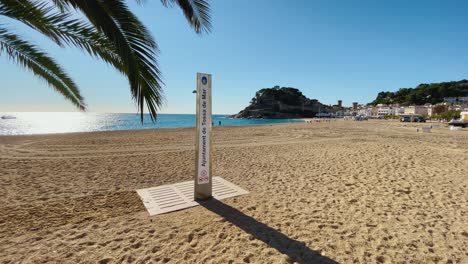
(30, 123)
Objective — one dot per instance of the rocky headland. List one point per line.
(281, 102)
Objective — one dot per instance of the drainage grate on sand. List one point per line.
(178, 196)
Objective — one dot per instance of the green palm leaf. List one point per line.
(113, 34)
(134, 45)
(197, 13)
(62, 29)
(30, 57)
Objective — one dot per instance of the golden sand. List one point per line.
(348, 192)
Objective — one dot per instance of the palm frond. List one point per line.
(61, 5)
(113, 34)
(133, 43)
(61, 28)
(29, 56)
(197, 13)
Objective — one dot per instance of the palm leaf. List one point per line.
(30, 57)
(133, 43)
(62, 29)
(116, 36)
(197, 13)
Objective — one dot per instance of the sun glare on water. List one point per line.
(49, 122)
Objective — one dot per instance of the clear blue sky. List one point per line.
(329, 49)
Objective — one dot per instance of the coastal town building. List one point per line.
(429, 111)
(464, 116)
(382, 110)
(340, 114)
(338, 107)
(416, 110)
(385, 110)
(399, 110)
(456, 100)
(364, 111)
(457, 107)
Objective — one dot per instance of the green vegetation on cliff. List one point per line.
(424, 93)
(281, 102)
(286, 95)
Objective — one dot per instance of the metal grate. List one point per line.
(169, 198)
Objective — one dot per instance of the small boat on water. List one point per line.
(8, 117)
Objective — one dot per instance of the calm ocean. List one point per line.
(57, 122)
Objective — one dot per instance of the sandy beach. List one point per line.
(344, 191)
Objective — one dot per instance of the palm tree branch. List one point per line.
(134, 45)
(197, 13)
(60, 28)
(30, 57)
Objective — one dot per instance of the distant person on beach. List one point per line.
(219, 123)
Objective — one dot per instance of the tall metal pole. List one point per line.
(203, 176)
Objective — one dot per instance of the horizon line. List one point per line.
(90, 112)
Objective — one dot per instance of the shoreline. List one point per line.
(303, 121)
(163, 129)
(149, 129)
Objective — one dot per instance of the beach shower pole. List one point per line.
(203, 177)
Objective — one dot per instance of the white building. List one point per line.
(385, 110)
(454, 100)
(416, 110)
(399, 110)
(429, 111)
(464, 116)
(340, 114)
(366, 111)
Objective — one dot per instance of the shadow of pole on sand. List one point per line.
(296, 250)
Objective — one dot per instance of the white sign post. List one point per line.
(173, 197)
(203, 177)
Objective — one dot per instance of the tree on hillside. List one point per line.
(448, 115)
(108, 30)
(439, 109)
(424, 93)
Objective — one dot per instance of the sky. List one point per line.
(329, 49)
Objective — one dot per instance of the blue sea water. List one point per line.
(28, 123)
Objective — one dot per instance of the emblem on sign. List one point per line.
(204, 80)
